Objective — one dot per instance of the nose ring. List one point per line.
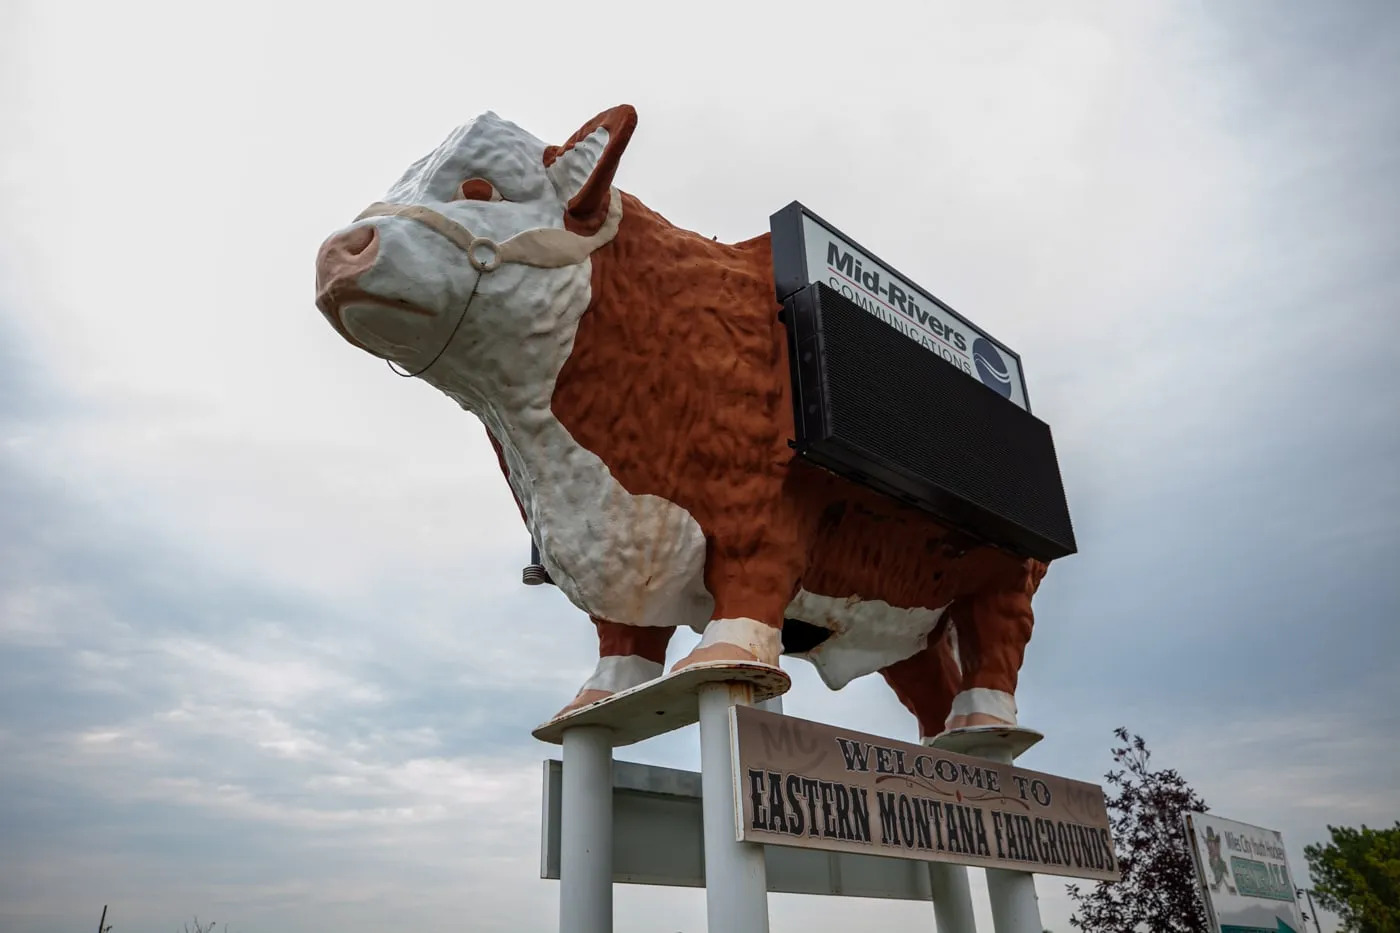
(489, 264)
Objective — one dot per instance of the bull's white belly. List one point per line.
(867, 634)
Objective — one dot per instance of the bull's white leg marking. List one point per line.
(764, 642)
(995, 703)
(616, 673)
(867, 634)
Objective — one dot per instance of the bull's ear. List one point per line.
(582, 169)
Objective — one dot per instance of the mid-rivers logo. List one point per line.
(991, 368)
(883, 297)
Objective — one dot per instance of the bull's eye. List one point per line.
(478, 189)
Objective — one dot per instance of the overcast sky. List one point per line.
(264, 653)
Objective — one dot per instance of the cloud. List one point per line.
(213, 757)
(179, 741)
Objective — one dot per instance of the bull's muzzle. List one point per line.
(340, 262)
(347, 255)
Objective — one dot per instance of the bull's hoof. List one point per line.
(976, 719)
(584, 698)
(734, 641)
(720, 652)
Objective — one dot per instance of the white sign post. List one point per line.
(952, 898)
(736, 882)
(1244, 878)
(585, 881)
(1015, 905)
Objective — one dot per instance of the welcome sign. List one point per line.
(811, 785)
(808, 250)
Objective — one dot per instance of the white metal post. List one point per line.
(736, 878)
(1015, 905)
(586, 824)
(952, 898)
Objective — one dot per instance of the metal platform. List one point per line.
(666, 703)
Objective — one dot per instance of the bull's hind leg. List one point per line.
(993, 627)
(628, 655)
(926, 684)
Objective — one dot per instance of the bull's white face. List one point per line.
(402, 290)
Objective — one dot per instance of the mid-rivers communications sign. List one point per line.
(807, 784)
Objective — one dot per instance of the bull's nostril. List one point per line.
(345, 256)
(358, 240)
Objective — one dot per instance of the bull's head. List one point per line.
(481, 247)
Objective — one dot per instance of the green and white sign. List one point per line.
(1244, 877)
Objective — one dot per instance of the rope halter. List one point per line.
(540, 247)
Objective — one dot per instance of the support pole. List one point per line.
(1015, 905)
(952, 898)
(586, 823)
(736, 879)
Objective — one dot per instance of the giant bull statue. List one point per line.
(633, 379)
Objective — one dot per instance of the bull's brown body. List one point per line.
(679, 381)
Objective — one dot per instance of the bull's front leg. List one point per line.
(751, 594)
(993, 628)
(628, 656)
